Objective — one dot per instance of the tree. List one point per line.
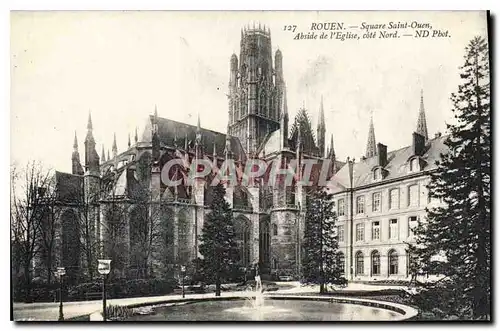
(49, 215)
(27, 207)
(458, 231)
(146, 235)
(218, 245)
(320, 262)
(89, 242)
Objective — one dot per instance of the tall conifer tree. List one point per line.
(320, 263)
(458, 229)
(218, 245)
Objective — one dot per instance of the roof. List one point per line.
(396, 165)
(169, 129)
(69, 187)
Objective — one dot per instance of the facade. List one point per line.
(109, 201)
(119, 194)
(388, 195)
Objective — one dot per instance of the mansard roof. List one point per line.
(169, 130)
(396, 165)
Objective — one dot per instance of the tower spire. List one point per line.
(227, 148)
(128, 137)
(371, 148)
(75, 144)
(422, 123)
(331, 151)
(284, 120)
(114, 148)
(103, 158)
(89, 123)
(75, 159)
(91, 156)
(321, 130)
(136, 138)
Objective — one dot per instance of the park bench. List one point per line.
(93, 295)
(179, 291)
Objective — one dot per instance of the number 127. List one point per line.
(290, 28)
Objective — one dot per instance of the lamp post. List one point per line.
(245, 269)
(351, 214)
(104, 268)
(61, 272)
(183, 270)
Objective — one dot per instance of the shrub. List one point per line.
(117, 313)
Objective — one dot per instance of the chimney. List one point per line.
(418, 144)
(382, 154)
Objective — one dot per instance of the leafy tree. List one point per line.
(320, 263)
(458, 231)
(218, 245)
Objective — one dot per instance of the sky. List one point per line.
(119, 65)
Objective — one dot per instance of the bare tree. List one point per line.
(27, 207)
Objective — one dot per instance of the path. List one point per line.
(50, 310)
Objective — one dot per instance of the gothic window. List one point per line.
(263, 103)
(264, 241)
(183, 237)
(375, 263)
(275, 230)
(393, 262)
(242, 229)
(360, 267)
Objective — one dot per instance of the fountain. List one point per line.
(260, 306)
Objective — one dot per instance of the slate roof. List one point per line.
(396, 165)
(169, 129)
(69, 187)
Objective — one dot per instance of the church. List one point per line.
(121, 197)
(124, 194)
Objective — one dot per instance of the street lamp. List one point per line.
(350, 162)
(104, 267)
(183, 270)
(61, 272)
(245, 269)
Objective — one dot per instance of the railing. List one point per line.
(172, 199)
(242, 207)
(286, 206)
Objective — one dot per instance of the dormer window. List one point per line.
(414, 166)
(376, 174)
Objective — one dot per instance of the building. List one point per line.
(379, 199)
(118, 197)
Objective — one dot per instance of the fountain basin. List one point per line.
(279, 308)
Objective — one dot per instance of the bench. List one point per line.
(93, 295)
(179, 291)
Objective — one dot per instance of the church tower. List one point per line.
(255, 88)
